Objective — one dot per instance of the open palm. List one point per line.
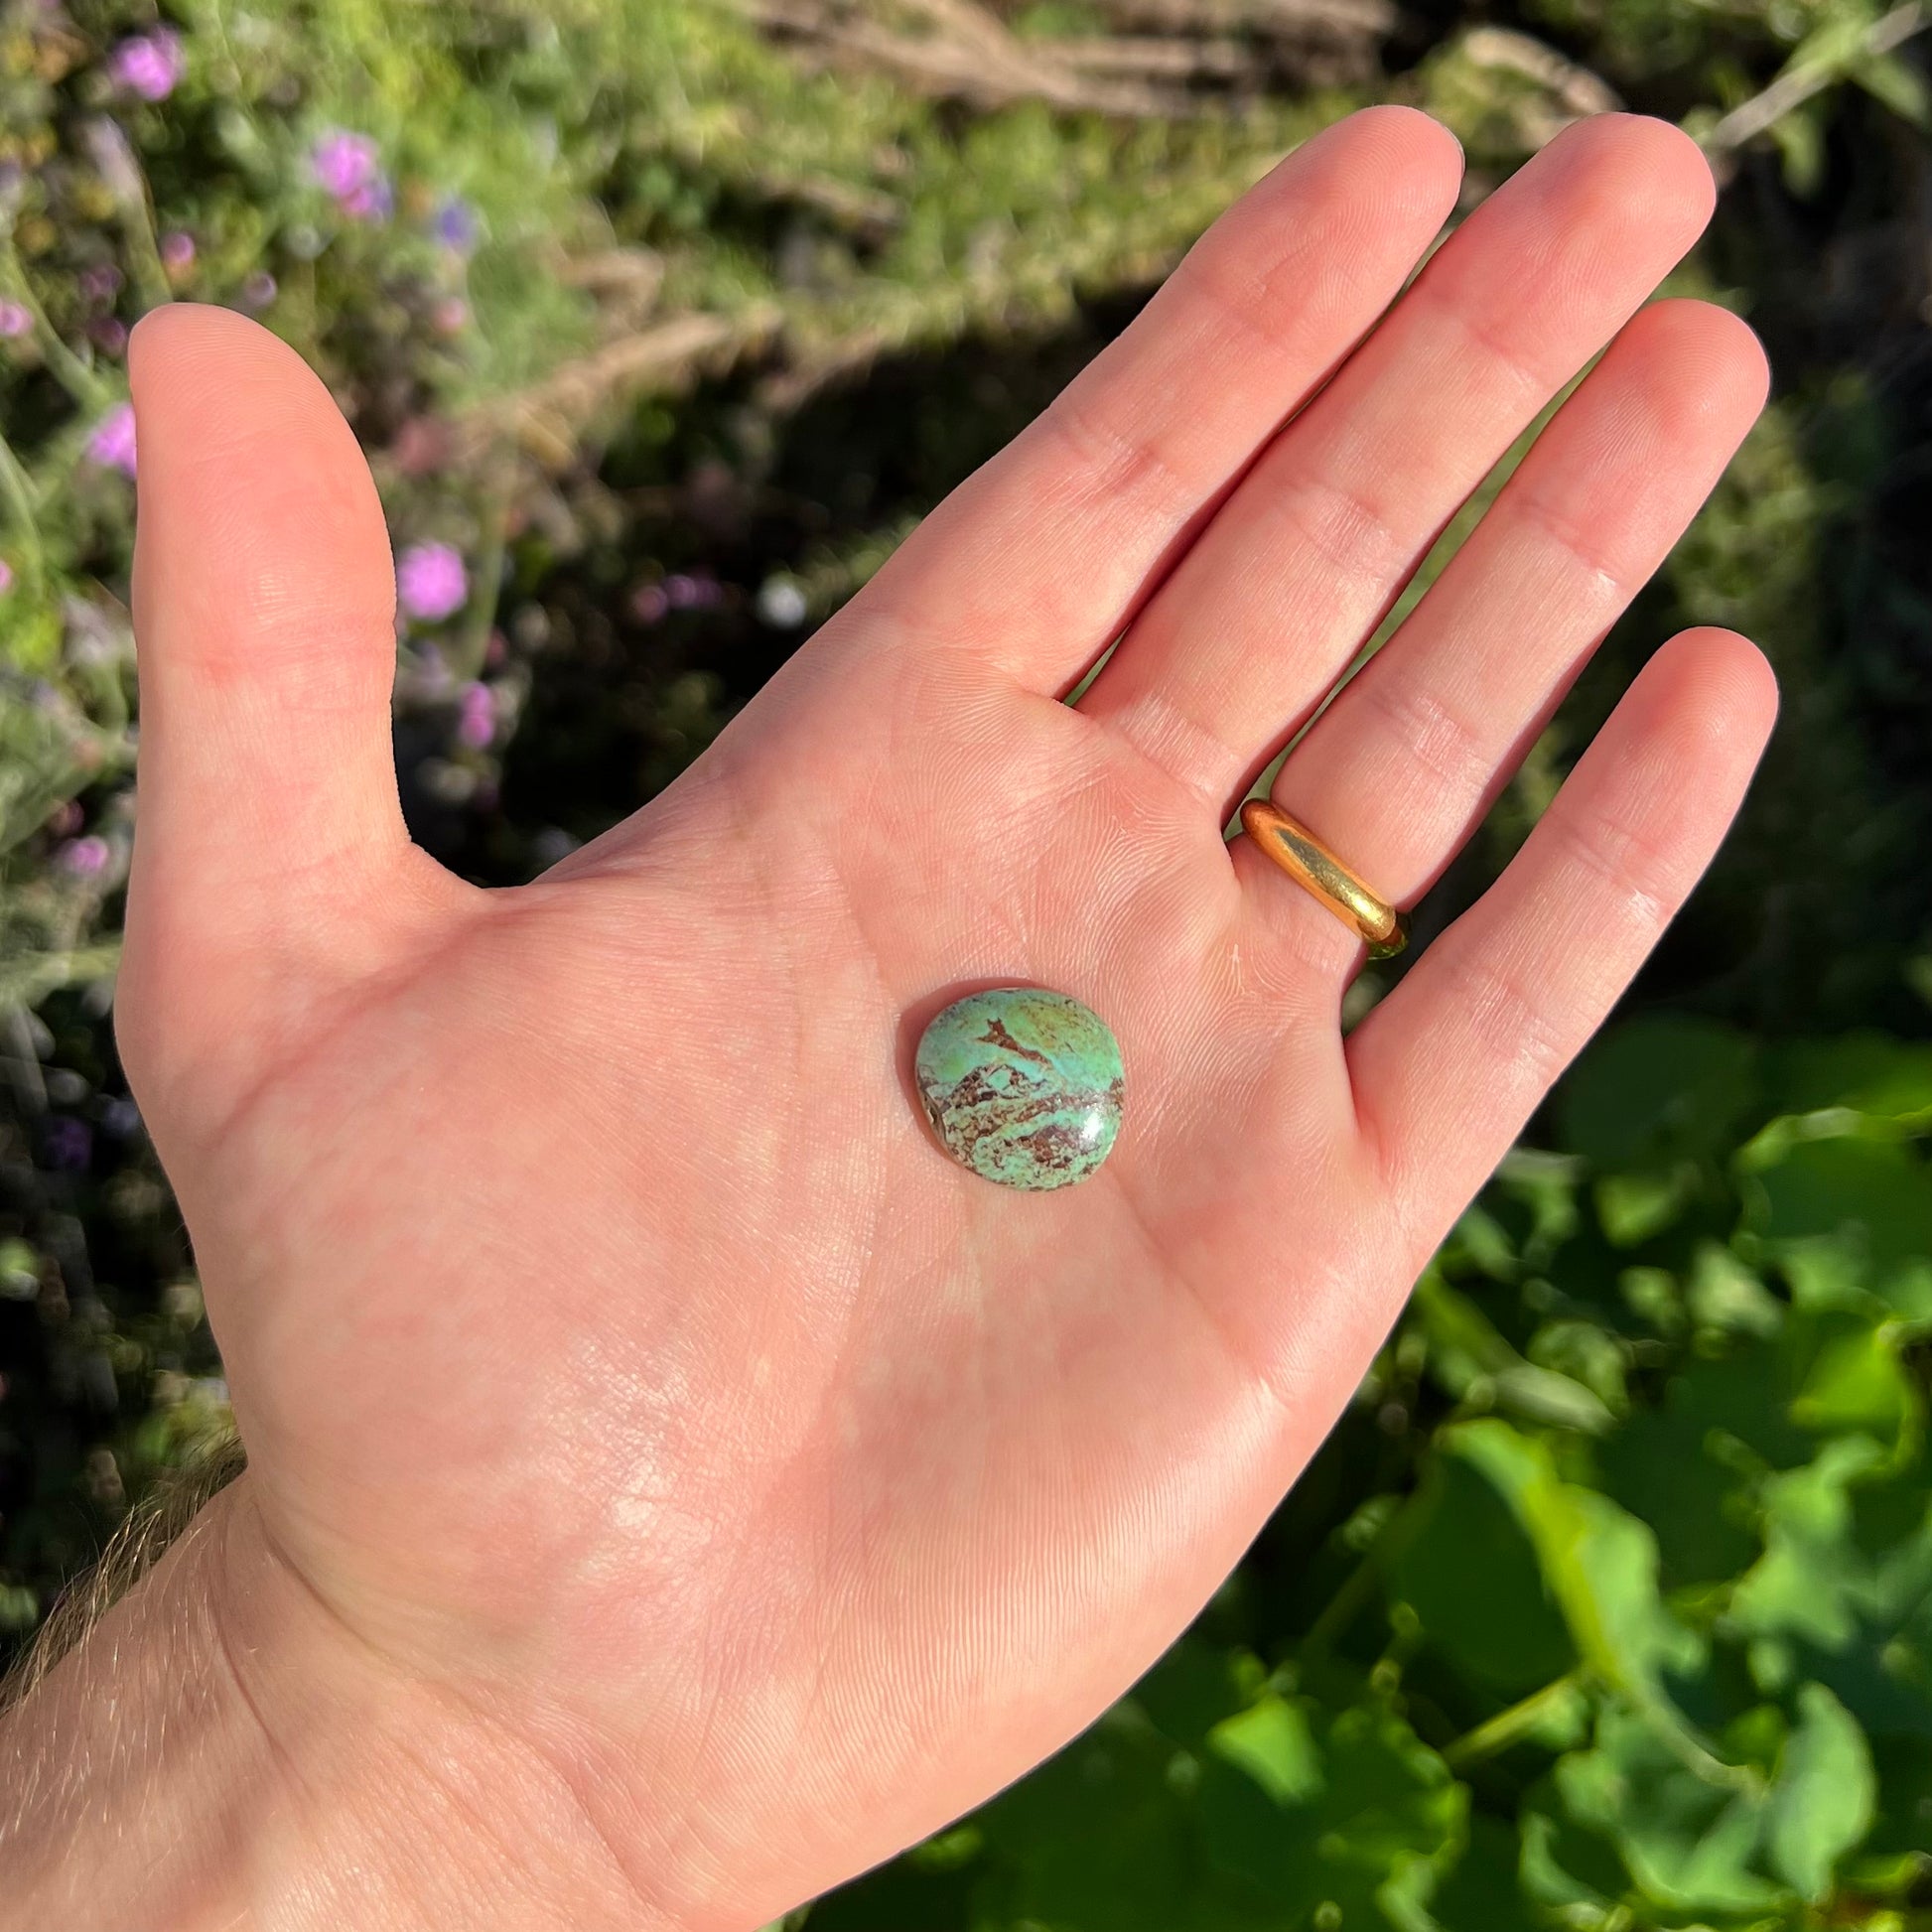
(634, 1389)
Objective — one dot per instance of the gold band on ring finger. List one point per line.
(1310, 864)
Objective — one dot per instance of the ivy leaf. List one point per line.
(1688, 1841)
(1599, 1561)
(1101, 1838)
(1462, 1561)
(1271, 1741)
(1822, 1803)
(1194, 1685)
(1656, 1092)
(1845, 1212)
(1311, 1809)
(1809, 1582)
(1856, 1382)
(1870, 1073)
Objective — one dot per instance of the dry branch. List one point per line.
(1147, 58)
(1794, 88)
(547, 418)
(961, 53)
(1285, 20)
(1569, 93)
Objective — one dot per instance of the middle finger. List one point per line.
(1265, 611)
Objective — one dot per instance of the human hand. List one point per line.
(693, 1483)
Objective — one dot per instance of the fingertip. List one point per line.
(1723, 684)
(259, 518)
(1413, 161)
(1646, 171)
(1420, 131)
(1702, 364)
(220, 376)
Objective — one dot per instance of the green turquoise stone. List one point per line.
(1022, 1086)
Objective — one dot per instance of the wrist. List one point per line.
(218, 1751)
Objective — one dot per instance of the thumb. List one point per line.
(265, 615)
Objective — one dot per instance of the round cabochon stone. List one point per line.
(1021, 1085)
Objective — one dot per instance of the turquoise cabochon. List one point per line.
(1023, 1086)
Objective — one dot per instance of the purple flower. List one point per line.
(450, 315)
(13, 319)
(477, 716)
(454, 226)
(68, 1143)
(258, 290)
(431, 581)
(6, 576)
(373, 203)
(85, 857)
(101, 283)
(112, 443)
(649, 602)
(147, 64)
(176, 252)
(110, 334)
(346, 167)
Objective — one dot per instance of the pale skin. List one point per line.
(673, 1484)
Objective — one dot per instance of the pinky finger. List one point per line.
(1449, 1066)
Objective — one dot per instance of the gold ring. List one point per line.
(1310, 862)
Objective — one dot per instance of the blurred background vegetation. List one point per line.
(1610, 1604)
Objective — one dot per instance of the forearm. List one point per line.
(214, 1754)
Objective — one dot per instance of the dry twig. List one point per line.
(963, 54)
(1794, 88)
(1569, 93)
(547, 418)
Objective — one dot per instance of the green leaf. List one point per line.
(1466, 1565)
(1101, 1838)
(1868, 1073)
(1726, 1298)
(1347, 1811)
(1657, 1091)
(1271, 1742)
(1799, 138)
(1860, 1204)
(1632, 1208)
(1857, 1382)
(1811, 1580)
(1660, 1463)
(1821, 1803)
(1196, 1685)
(1887, 79)
(1599, 1561)
(1688, 1842)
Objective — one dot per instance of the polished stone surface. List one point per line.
(1021, 1085)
